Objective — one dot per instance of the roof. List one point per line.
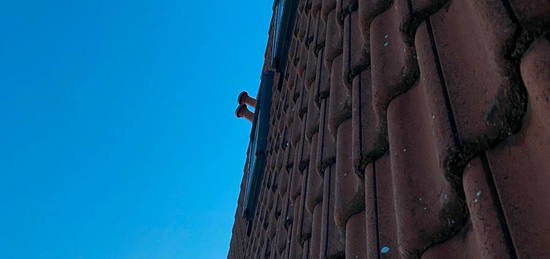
(407, 129)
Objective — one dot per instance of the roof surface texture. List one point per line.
(407, 129)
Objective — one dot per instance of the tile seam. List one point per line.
(376, 208)
(498, 203)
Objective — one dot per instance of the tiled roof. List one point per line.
(407, 129)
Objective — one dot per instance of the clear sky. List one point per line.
(117, 126)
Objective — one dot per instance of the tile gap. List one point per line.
(498, 204)
(447, 97)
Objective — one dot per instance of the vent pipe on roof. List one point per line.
(243, 111)
(244, 98)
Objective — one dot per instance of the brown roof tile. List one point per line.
(368, 144)
(339, 99)
(332, 239)
(327, 146)
(315, 180)
(371, 213)
(534, 14)
(356, 237)
(393, 65)
(312, 123)
(487, 222)
(475, 36)
(295, 244)
(355, 51)
(323, 80)
(521, 164)
(311, 70)
(320, 38)
(297, 178)
(386, 220)
(333, 43)
(349, 194)
(326, 7)
(482, 236)
(315, 240)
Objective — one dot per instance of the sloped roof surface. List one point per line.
(408, 129)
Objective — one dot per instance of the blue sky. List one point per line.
(118, 135)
